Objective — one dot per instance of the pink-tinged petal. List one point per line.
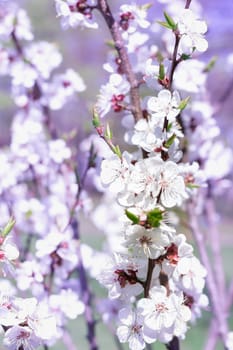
(126, 316)
(123, 333)
(201, 44)
(164, 96)
(136, 342)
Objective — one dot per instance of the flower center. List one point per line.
(117, 107)
(125, 18)
(145, 241)
(126, 277)
(172, 254)
(23, 335)
(161, 307)
(136, 328)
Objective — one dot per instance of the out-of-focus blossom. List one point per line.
(192, 32)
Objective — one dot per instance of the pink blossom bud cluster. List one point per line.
(75, 13)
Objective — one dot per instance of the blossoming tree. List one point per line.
(157, 187)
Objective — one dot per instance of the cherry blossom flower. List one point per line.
(132, 16)
(68, 303)
(121, 276)
(183, 315)
(18, 337)
(63, 86)
(116, 171)
(44, 57)
(192, 274)
(146, 242)
(29, 275)
(151, 73)
(58, 151)
(158, 310)
(164, 105)
(8, 253)
(131, 329)
(73, 15)
(190, 76)
(15, 20)
(148, 135)
(171, 185)
(35, 317)
(192, 31)
(112, 95)
(58, 250)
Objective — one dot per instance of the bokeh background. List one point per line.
(85, 51)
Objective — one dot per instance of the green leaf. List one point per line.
(161, 71)
(170, 141)
(184, 103)
(7, 229)
(132, 217)
(192, 186)
(111, 44)
(95, 118)
(154, 217)
(28, 214)
(117, 151)
(146, 6)
(170, 21)
(185, 57)
(159, 57)
(169, 126)
(210, 65)
(164, 24)
(108, 132)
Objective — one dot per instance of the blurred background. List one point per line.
(85, 51)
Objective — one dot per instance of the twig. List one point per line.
(216, 249)
(175, 61)
(174, 344)
(68, 341)
(81, 183)
(150, 269)
(36, 90)
(226, 93)
(85, 291)
(188, 3)
(217, 309)
(213, 333)
(113, 26)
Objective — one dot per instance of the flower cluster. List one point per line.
(155, 283)
(39, 189)
(154, 272)
(76, 13)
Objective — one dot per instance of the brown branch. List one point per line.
(114, 28)
(174, 344)
(147, 284)
(85, 291)
(188, 3)
(175, 61)
(214, 295)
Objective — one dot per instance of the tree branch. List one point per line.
(217, 308)
(85, 291)
(113, 26)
